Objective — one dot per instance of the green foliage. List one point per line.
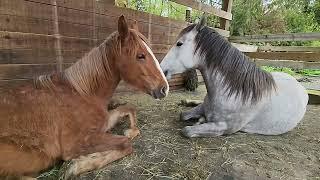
(316, 10)
(250, 16)
(305, 72)
(277, 69)
(170, 9)
(276, 16)
(309, 72)
(160, 7)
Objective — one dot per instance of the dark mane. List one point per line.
(240, 75)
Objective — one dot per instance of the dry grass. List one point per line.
(162, 153)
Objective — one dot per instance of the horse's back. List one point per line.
(288, 86)
(284, 110)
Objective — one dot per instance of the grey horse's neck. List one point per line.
(209, 81)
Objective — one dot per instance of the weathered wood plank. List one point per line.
(75, 16)
(34, 9)
(26, 9)
(245, 47)
(24, 24)
(205, 8)
(27, 71)
(160, 48)
(104, 7)
(138, 16)
(11, 42)
(41, 1)
(16, 40)
(289, 48)
(253, 48)
(86, 5)
(18, 71)
(38, 26)
(288, 64)
(27, 56)
(37, 56)
(222, 32)
(277, 37)
(298, 56)
(160, 56)
(69, 26)
(13, 83)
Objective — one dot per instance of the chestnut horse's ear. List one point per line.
(134, 25)
(201, 23)
(123, 28)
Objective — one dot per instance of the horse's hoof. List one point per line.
(132, 133)
(201, 121)
(183, 116)
(68, 170)
(187, 132)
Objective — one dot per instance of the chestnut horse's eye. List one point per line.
(141, 57)
(179, 43)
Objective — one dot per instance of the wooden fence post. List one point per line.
(188, 15)
(226, 6)
(190, 78)
(57, 40)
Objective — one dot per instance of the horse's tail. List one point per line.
(16, 160)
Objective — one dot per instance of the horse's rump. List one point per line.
(21, 160)
(34, 117)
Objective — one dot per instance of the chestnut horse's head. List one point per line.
(137, 64)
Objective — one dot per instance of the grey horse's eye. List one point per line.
(179, 43)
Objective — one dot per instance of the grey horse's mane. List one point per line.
(241, 77)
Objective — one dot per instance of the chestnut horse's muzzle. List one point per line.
(159, 93)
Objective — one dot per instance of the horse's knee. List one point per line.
(189, 115)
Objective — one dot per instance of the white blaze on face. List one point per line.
(181, 58)
(157, 65)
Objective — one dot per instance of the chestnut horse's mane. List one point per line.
(93, 70)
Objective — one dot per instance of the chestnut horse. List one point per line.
(62, 116)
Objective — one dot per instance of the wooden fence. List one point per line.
(297, 57)
(41, 36)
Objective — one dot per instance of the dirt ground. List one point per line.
(160, 152)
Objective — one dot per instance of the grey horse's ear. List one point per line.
(202, 22)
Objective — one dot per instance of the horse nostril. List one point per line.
(164, 90)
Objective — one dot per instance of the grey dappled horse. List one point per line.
(240, 96)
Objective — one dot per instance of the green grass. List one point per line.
(304, 72)
(309, 72)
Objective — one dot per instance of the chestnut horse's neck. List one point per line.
(96, 73)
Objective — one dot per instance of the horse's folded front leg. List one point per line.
(95, 151)
(122, 111)
(92, 162)
(194, 113)
(208, 129)
(93, 143)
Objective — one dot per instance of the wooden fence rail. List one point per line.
(224, 13)
(280, 53)
(314, 36)
(283, 56)
(205, 8)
